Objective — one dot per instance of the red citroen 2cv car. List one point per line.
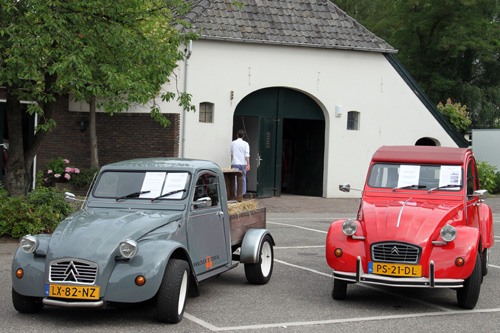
(421, 223)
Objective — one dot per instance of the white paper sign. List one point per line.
(408, 175)
(450, 175)
(175, 181)
(153, 182)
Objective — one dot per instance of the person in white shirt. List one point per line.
(240, 157)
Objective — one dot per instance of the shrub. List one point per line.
(488, 179)
(58, 170)
(84, 178)
(40, 211)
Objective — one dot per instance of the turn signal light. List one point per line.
(459, 262)
(140, 280)
(19, 273)
(338, 252)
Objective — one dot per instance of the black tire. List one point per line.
(485, 261)
(260, 273)
(26, 304)
(171, 297)
(468, 295)
(339, 290)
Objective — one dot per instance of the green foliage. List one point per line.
(456, 114)
(451, 48)
(40, 211)
(84, 178)
(120, 51)
(488, 177)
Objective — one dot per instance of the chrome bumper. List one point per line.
(383, 280)
(54, 302)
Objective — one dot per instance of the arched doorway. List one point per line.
(427, 142)
(286, 132)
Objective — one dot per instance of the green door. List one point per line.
(266, 178)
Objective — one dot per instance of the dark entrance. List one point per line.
(286, 132)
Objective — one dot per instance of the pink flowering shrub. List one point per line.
(58, 171)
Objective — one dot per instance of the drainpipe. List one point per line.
(186, 71)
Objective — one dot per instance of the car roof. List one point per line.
(163, 163)
(421, 154)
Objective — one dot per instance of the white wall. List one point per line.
(485, 145)
(390, 113)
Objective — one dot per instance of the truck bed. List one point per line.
(241, 222)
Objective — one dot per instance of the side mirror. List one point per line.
(203, 202)
(345, 187)
(480, 194)
(69, 197)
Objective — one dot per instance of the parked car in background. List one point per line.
(421, 223)
(151, 229)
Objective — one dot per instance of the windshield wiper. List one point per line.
(409, 186)
(132, 195)
(444, 186)
(168, 193)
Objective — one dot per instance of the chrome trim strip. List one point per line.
(401, 212)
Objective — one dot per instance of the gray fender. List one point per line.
(150, 261)
(33, 265)
(251, 244)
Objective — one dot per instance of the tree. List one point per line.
(450, 47)
(122, 51)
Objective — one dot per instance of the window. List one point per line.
(206, 112)
(207, 187)
(353, 120)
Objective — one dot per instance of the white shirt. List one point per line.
(240, 150)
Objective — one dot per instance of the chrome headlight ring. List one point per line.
(28, 244)
(349, 227)
(128, 248)
(448, 233)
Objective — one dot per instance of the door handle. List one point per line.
(258, 160)
(220, 214)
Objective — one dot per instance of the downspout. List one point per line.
(184, 114)
(34, 160)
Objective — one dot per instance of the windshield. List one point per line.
(158, 185)
(416, 177)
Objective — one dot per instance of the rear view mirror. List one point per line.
(345, 187)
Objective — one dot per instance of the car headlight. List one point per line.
(28, 243)
(448, 233)
(349, 227)
(128, 248)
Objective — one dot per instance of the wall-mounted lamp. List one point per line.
(338, 111)
(82, 124)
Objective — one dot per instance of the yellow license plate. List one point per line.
(394, 269)
(74, 292)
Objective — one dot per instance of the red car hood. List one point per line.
(406, 220)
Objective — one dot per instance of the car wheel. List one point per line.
(339, 290)
(468, 295)
(485, 261)
(26, 304)
(171, 297)
(261, 272)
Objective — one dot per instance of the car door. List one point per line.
(471, 201)
(206, 234)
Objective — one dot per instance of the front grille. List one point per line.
(396, 252)
(73, 270)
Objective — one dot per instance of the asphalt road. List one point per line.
(297, 299)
